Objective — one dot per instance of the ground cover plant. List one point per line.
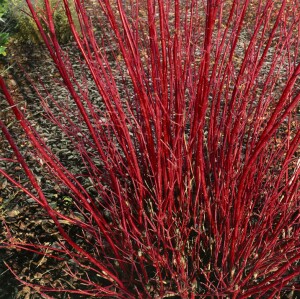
(185, 127)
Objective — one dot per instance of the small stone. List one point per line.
(12, 82)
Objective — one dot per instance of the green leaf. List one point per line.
(3, 51)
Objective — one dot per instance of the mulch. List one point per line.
(20, 216)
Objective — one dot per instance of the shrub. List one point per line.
(4, 36)
(26, 30)
(190, 164)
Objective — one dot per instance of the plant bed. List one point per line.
(164, 166)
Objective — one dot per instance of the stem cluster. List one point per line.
(193, 156)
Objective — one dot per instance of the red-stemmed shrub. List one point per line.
(191, 155)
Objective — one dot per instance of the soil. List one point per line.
(20, 216)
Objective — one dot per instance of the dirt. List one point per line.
(20, 216)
